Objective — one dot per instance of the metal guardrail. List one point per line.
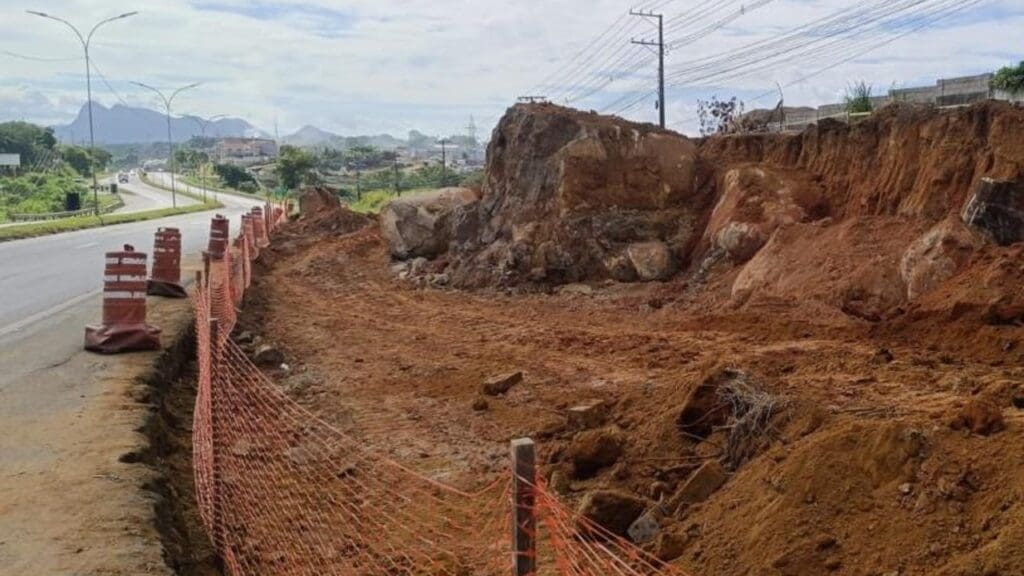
(69, 214)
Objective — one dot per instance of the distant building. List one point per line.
(245, 151)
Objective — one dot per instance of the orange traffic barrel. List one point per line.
(124, 327)
(259, 224)
(249, 233)
(220, 231)
(166, 277)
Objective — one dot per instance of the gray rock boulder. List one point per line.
(652, 260)
(422, 225)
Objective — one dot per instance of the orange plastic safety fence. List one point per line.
(282, 492)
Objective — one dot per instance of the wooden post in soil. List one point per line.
(524, 513)
(215, 357)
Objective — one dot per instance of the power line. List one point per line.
(37, 58)
(943, 11)
(808, 36)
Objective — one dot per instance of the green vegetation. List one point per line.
(1010, 78)
(372, 201)
(34, 229)
(294, 166)
(234, 176)
(82, 160)
(35, 144)
(39, 193)
(858, 98)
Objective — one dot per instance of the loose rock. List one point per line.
(498, 385)
(594, 450)
(268, 356)
(701, 485)
(980, 416)
(613, 510)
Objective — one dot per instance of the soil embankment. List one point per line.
(829, 381)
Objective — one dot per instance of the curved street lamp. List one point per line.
(170, 142)
(203, 124)
(86, 42)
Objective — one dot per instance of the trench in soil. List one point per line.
(172, 393)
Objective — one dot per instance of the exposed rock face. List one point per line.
(997, 209)
(567, 193)
(421, 225)
(754, 202)
(937, 256)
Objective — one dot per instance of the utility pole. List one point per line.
(170, 141)
(86, 42)
(444, 161)
(394, 168)
(203, 123)
(660, 45)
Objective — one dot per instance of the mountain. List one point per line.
(313, 137)
(310, 137)
(128, 125)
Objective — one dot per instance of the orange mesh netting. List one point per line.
(281, 492)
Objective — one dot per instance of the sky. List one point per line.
(390, 66)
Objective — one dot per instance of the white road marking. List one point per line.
(16, 326)
(89, 245)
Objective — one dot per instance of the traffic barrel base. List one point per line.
(118, 339)
(165, 289)
(124, 327)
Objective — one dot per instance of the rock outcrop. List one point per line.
(997, 209)
(421, 225)
(937, 256)
(568, 193)
(753, 203)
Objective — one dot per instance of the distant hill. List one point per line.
(128, 125)
(313, 137)
(310, 137)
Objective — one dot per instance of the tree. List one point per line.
(34, 143)
(234, 176)
(293, 166)
(718, 116)
(858, 98)
(83, 159)
(1010, 78)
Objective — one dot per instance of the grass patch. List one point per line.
(33, 229)
(214, 184)
(182, 190)
(374, 200)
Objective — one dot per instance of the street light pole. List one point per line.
(170, 141)
(203, 123)
(86, 43)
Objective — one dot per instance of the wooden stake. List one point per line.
(524, 513)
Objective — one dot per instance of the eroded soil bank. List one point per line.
(864, 466)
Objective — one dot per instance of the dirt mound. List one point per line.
(567, 193)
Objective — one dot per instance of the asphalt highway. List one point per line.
(42, 279)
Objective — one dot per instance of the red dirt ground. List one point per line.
(862, 472)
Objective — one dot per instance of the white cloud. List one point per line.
(362, 66)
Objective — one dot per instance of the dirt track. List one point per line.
(863, 461)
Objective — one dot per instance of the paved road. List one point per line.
(140, 197)
(43, 277)
(67, 505)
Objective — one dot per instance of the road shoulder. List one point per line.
(75, 494)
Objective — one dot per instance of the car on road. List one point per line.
(122, 178)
